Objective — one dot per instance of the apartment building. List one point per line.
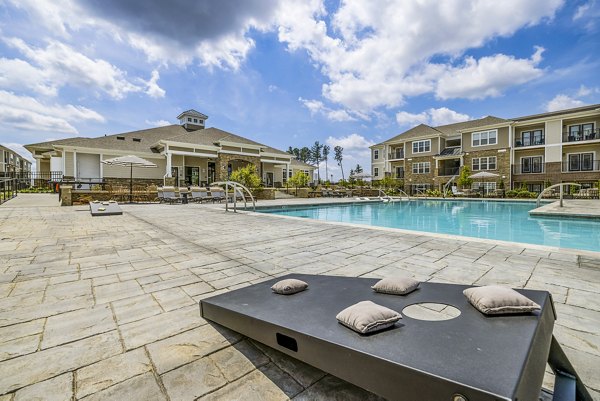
(535, 151)
(12, 163)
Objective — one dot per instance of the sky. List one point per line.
(282, 73)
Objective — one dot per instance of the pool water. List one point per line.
(506, 221)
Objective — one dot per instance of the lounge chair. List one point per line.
(200, 195)
(160, 195)
(170, 196)
(456, 192)
(217, 194)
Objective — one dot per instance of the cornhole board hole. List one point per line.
(111, 209)
(473, 356)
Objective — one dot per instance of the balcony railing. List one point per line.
(399, 154)
(581, 166)
(448, 171)
(530, 142)
(536, 168)
(585, 135)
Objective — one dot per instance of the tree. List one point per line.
(338, 157)
(304, 155)
(463, 179)
(299, 180)
(325, 157)
(315, 157)
(358, 169)
(247, 176)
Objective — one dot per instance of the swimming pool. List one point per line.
(506, 221)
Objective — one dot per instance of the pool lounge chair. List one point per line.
(217, 194)
(200, 195)
(170, 195)
(456, 192)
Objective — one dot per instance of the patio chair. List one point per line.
(169, 195)
(217, 194)
(456, 192)
(200, 195)
(160, 195)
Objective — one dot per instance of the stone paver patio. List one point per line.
(106, 308)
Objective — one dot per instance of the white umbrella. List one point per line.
(131, 161)
(361, 175)
(483, 175)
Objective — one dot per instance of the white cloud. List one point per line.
(153, 90)
(18, 74)
(58, 65)
(27, 113)
(561, 102)
(158, 123)
(354, 145)
(432, 117)
(382, 52)
(584, 91)
(488, 76)
(589, 14)
(318, 107)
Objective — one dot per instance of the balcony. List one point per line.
(519, 143)
(583, 166)
(398, 154)
(532, 168)
(585, 135)
(447, 171)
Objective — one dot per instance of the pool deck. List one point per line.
(106, 308)
(575, 208)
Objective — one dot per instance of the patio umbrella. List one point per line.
(361, 175)
(483, 175)
(131, 161)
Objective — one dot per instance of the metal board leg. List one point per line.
(566, 376)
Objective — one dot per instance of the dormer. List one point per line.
(192, 120)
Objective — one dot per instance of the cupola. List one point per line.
(192, 120)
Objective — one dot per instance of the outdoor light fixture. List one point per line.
(459, 397)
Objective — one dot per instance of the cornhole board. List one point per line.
(473, 356)
(112, 209)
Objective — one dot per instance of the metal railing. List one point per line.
(529, 169)
(8, 189)
(35, 179)
(550, 188)
(396, 155)
(530, 142)
(235, 186)
(585, 135)
(448, 171)
(446, 185)
(581, 166)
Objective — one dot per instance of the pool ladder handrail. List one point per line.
(448, 183)
(389, 197)
(235, 192)
(539, 198)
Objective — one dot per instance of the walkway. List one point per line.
(589, 208)
(32, 200)
(105, 308)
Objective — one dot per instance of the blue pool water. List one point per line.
(507, 221)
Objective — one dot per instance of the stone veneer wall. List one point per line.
(503, 167)
(136, 181)
(553, 174)
(224, 159)
(411, 179)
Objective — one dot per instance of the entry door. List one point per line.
(211, 172)
(175, 174)
(192, 176)
(269, 179)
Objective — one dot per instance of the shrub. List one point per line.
(511, 194)
(434, 192)
(247, 176)
(464, 180)
(299, 180)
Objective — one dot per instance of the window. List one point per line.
(121, 138)
(581, 132)
(137, 139)
(421, 168)
(484, 163)
(581, 162)
(531, 138)
(189, 119)
(376, 171)
(200, 121)
(531, 164)
(376, 154)
(399, 172)
(422, 146)
(485, 138)
(195, 120)
(485, 186)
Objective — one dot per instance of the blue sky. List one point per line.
(289, 73)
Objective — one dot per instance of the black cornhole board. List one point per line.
(112, 209)
(480, 357)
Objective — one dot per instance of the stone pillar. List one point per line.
(66, 195)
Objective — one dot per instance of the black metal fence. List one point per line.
(49, 180)
(8, 189)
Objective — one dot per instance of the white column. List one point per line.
(75, 165)
(101, 166)
(168, 172)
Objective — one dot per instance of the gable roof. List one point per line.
(193, 113)
(558, 112)
(415, 132)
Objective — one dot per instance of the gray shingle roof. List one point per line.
(193, 113)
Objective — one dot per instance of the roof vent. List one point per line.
(121, 138)
(137, 139)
